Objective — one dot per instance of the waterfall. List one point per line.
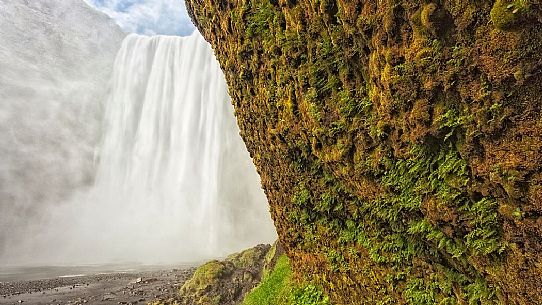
(174, 179)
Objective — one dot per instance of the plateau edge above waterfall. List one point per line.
(174, 179)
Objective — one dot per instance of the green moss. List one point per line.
(376, 130)
(416, 22)
(259, 20)
(301, 196)
(227, 281)
(269, 262)
(204, 277)
(246, 259)
(309, 295)
(279, 288)
(429, 21)
(427, 11)
(507, 14)
(274, 288)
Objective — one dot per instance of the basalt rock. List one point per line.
(399, 142)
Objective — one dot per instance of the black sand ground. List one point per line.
(107, 289)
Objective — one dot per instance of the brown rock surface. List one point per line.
(399, 142)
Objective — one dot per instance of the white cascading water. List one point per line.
(174, 180)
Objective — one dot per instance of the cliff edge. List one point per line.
(399, 142)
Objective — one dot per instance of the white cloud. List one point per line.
(150, 17)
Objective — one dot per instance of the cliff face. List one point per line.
(399, 142)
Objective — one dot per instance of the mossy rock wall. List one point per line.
(225, 282)
(399, 142)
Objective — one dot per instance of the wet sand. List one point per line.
(107, 289)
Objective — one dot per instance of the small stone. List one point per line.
(108, 297)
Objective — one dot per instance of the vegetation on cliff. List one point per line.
(257, 276)
(224, 282)
(399, 142)
(279, 288)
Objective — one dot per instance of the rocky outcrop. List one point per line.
(225, 282)
(399, 142)
(241, 275)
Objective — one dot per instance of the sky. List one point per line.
(148, 17)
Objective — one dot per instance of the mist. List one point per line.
(56, 59)
(133, 160)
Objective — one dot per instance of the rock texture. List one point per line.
(399, 142)
(225, 282)
(228, 282)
